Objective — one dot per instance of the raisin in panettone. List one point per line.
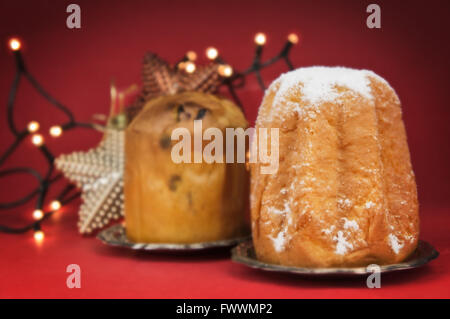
(174, 202)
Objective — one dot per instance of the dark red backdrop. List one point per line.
(411, 51)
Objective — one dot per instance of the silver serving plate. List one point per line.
(115, 236)
(244, 253)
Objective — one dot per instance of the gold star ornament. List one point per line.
(160, 78)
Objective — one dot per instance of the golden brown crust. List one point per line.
(181, 203)
(344, 193)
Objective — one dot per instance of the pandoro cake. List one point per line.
(345, 192)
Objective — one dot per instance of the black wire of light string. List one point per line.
(45, 181)
(237, 80)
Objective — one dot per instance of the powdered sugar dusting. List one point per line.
(369, 204)
(319, 83)
(328, 231)
(286, 209)
(315, 85)
(342, 244)
(350, 224)
(279, 241)
(395, 243)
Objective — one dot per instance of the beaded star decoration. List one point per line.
(99, 174)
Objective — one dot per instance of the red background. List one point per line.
(411, 51)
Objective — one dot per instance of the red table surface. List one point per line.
(411, 51)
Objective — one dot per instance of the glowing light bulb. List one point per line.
(37, 139)
(38, 214)
(14, 44)
(33, 126)
(293, 38)
(55, 205)
(190, 67)
(39, 236)
(56, 131)
(260, 38)
(191, 55)
(182, 65)
(225, 70)
(212, 53)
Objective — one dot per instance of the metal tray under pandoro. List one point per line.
(244, 253)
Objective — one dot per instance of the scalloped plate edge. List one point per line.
(115, 236)
(244, 254)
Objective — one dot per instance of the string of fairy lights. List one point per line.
(233, 80)
(43, 209)
(31, 131)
